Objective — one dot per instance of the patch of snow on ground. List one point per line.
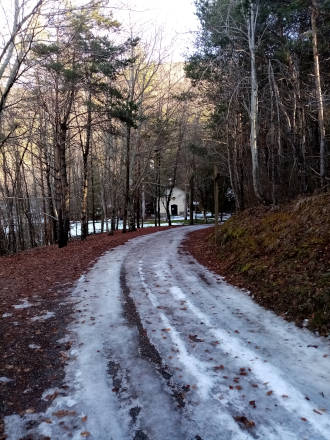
(47, 315)
(7, 315)
(25, 304)
(34, 346)
(75, 227)
(4, 379)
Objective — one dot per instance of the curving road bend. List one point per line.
(163, 349)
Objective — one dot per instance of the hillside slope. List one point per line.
(282, 256)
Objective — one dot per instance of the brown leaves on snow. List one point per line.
(218, 367)
(245, 422)
(51, 397)
(63, 413)
(195, 338)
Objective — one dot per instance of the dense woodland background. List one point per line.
(96, 123)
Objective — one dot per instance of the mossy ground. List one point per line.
(282, 255)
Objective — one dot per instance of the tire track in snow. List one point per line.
(197, 369)
(146, 348)
(297, 404)
(163, 270)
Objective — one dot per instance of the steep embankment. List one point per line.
(282, 256)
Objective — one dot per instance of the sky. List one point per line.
(174, 19)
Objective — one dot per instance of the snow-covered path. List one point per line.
(165, 350)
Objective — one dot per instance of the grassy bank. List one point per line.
(282, 256)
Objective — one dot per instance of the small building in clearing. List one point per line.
(177, 203)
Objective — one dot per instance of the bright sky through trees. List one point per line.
(175, 17)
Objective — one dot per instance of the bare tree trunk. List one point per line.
(167, 207)
(28, 213)
(185, 202)
(117, 220)
(252, 18)
(191, 196)
(131, 216)
(158, 207)
(216, 198)
(104, 208)
(168, 196)
(19, 208)
(86, 150)
(138, 209)
(273, 130)
(158, 186)
(84, 201)
(43, 194)
(12, 239)
(143, 206)
(113, 226)
(231, 174)
(3, 239)
(318, 88)
(50, 203)
(127, 177)
(61, 179)
(155, 208)
(93, 195)
(62, 187)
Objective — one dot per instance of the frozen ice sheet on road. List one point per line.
(164, 349)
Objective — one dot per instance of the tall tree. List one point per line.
(101, 62)
(266, 46)
(319, 96)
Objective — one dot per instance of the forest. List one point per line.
(164, 219)
(98, 124)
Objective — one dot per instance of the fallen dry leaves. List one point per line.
(64, 413)
(195, 338)
(245, 422)
(218, 367)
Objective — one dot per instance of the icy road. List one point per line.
(165, 350)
